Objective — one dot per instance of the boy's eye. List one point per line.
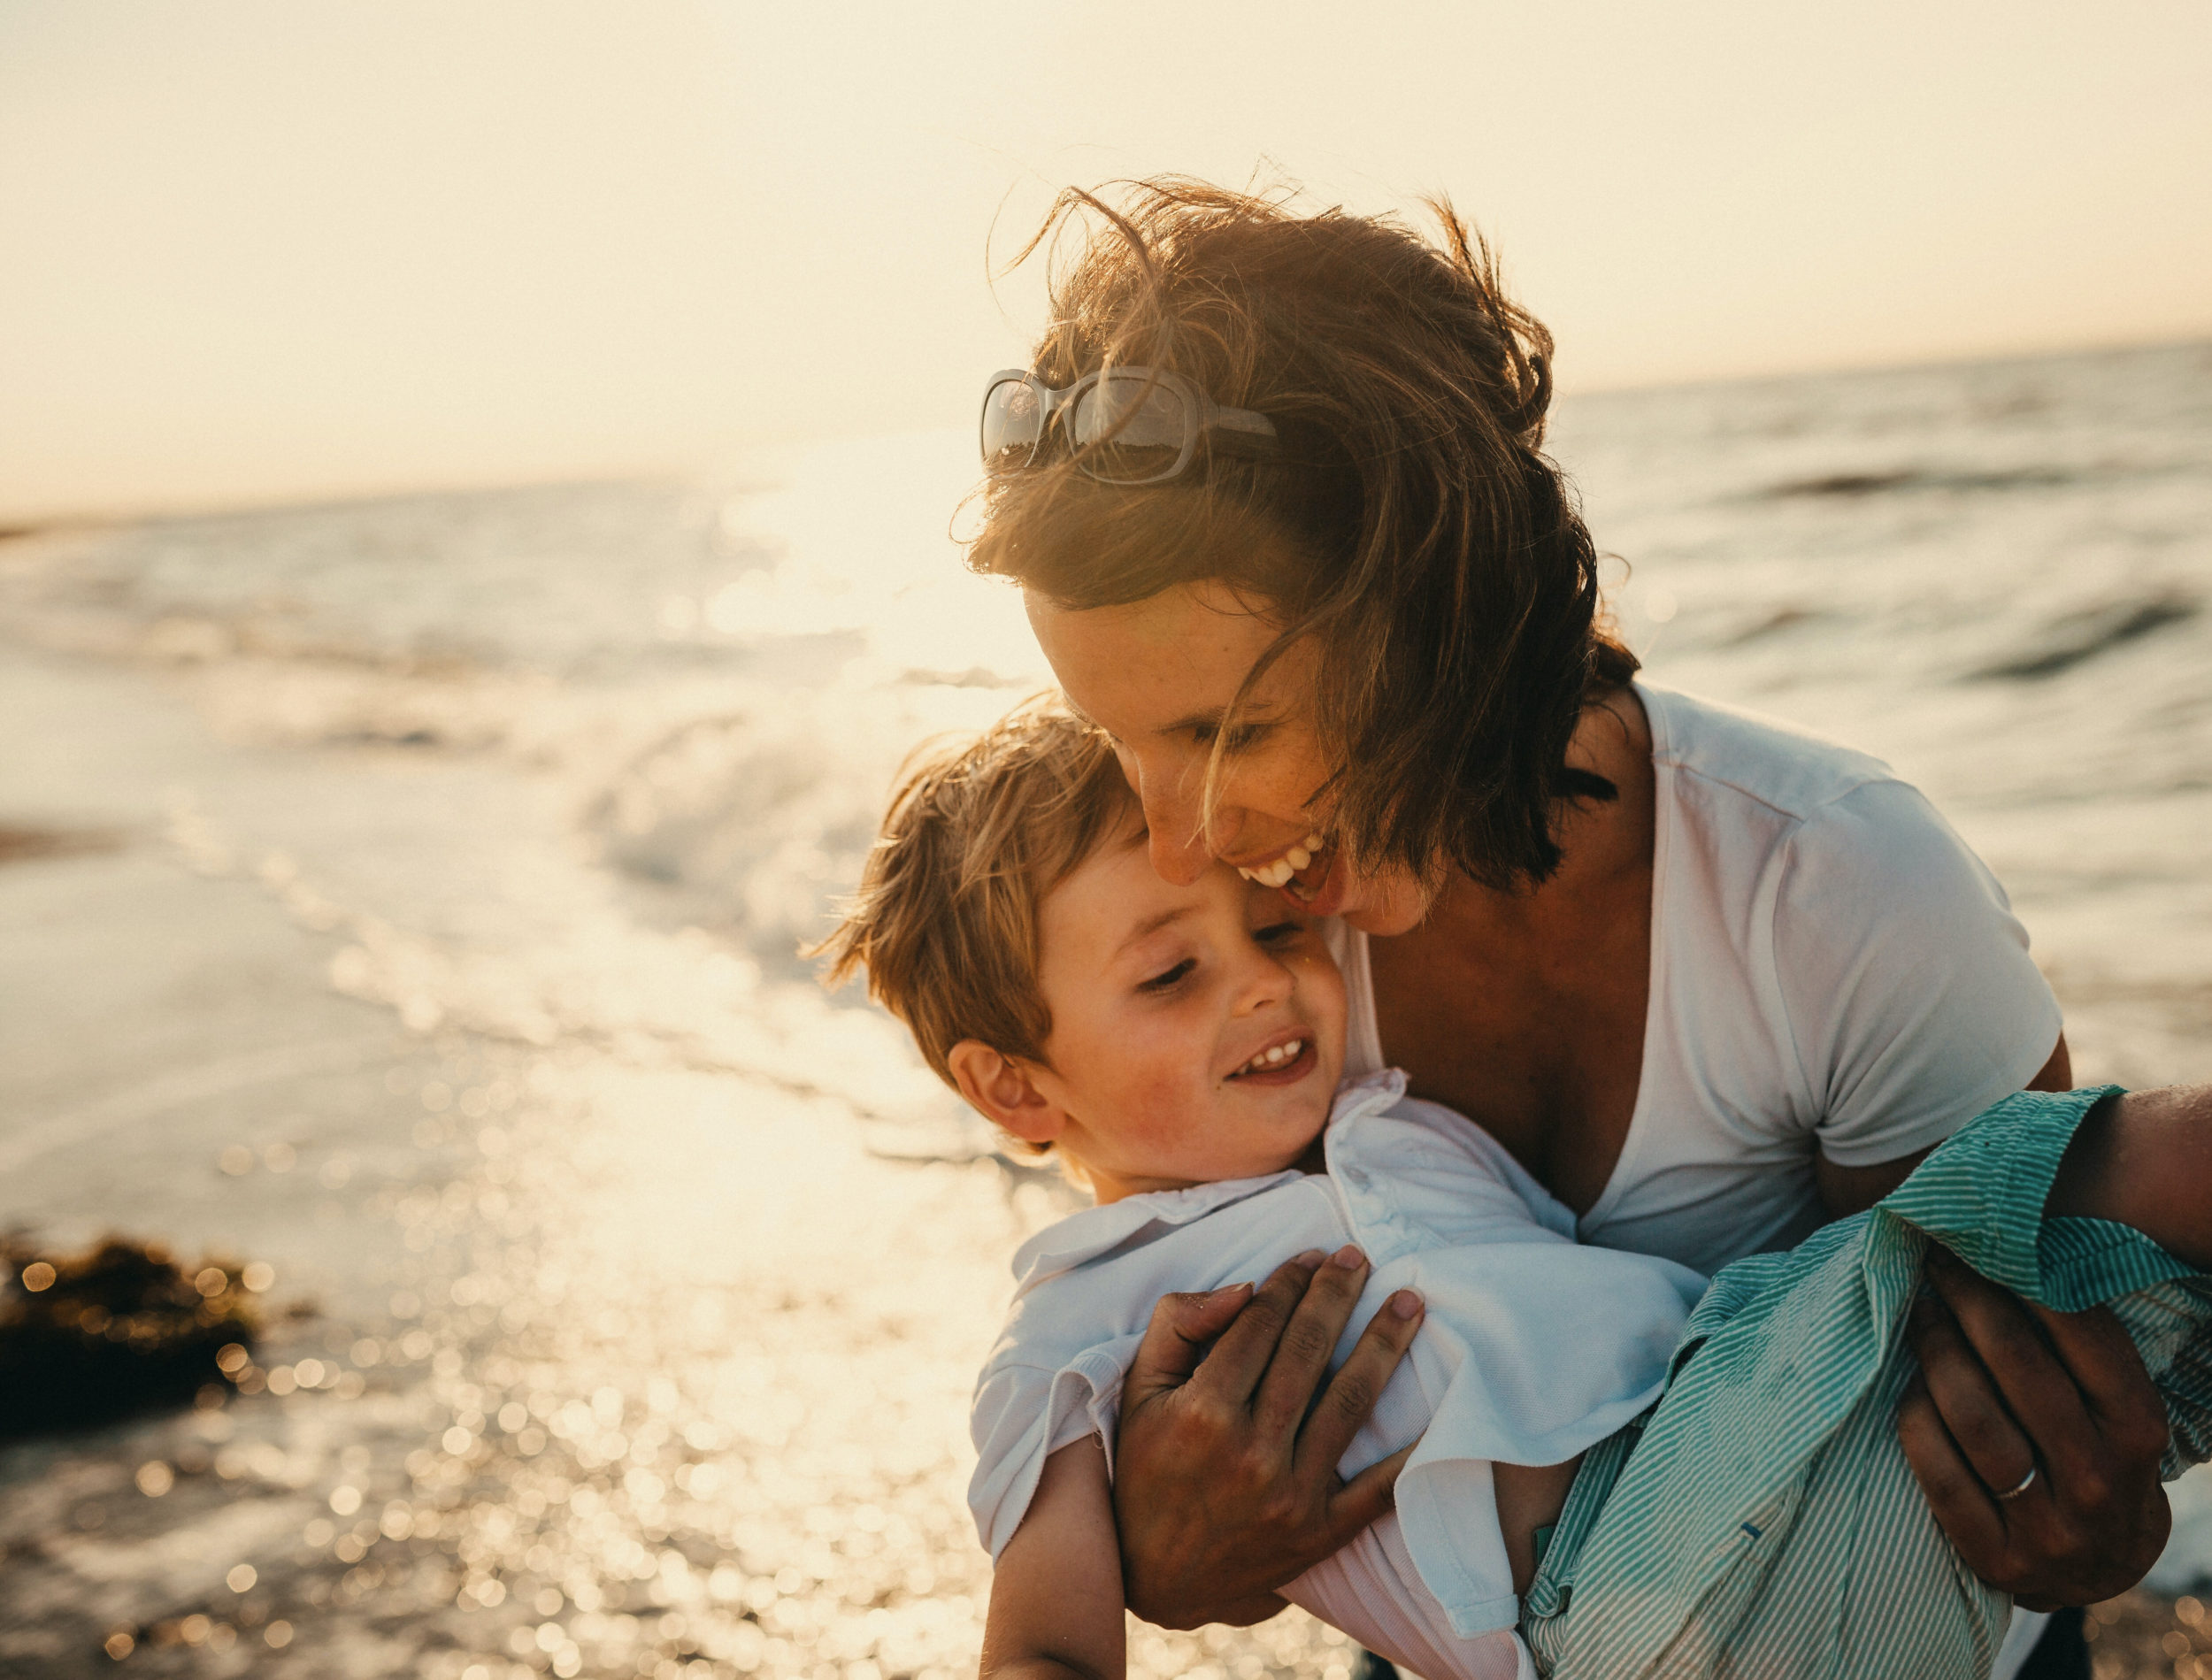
(1279, 931)
(1167, 978)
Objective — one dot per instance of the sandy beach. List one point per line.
(405, 896)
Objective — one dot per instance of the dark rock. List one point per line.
(120, 1329)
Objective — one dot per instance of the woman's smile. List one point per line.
(1278, 869)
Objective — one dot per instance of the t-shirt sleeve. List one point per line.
(1022, 1415)
(1911, 995)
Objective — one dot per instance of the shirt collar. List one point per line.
(1068, 1243)
(1071, 1242)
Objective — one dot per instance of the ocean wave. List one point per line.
(2077, 637)
(1903, 478)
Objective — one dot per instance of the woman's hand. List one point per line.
(1225, 1469)
(1996, 1397)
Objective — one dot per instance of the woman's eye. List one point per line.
(1243, 738)
(1167, 978)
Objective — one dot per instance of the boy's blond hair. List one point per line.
(945, 921)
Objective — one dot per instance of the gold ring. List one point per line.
(2019, 1487)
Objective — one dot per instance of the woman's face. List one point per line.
(1159, 677)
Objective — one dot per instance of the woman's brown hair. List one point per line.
(1414, 525)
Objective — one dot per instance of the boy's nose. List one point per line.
(1266, 980)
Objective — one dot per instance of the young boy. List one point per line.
(1177, 1048)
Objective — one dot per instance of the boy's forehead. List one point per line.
(1115, 893)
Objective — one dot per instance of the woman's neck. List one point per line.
(1525, 1009)
(1604, 842)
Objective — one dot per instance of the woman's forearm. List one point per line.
(2145, 1160)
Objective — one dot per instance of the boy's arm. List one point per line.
(1056, 1601)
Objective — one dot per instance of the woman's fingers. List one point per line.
(1367, 1497)
(1956, 1497)
(1215, 1508)
(1233, 1368)
(1998, 1400)
(2106, 1367)
(1183, 1327)
(1301, 1357)
(1358, 1384)
(1990, 1375)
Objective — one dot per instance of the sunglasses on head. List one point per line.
(1122, 424)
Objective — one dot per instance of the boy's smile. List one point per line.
(1198, 1030)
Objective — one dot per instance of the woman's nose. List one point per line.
(1172, 817)
(1176, 861)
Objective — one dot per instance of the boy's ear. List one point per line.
(1000, 1090)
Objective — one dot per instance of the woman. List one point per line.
(1273, 491)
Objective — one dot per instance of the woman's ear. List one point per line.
(1000, 1090)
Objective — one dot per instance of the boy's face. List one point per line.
(1166, 1003)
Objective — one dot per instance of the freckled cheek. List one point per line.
(1275, 786)
(1158, 1075)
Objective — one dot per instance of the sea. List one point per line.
(411, 895)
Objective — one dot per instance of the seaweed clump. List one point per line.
(119, 1329)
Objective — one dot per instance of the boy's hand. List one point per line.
(1224, 1483)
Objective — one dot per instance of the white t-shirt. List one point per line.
(1533, 1348)
(1833, 972)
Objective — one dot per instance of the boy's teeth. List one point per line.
(1274, 1058)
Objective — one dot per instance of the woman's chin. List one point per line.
(1381, 907)
(1385, 922)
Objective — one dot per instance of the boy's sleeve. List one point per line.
(1912, 1001)
(1023, 1413)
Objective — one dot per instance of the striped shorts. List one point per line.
(1760, 1523)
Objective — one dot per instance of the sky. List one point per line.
(260, 250)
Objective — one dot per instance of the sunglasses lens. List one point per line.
(1013, 425)
(1133, 428)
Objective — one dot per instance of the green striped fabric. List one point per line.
(1761, 1522)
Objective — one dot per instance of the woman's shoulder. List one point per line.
(1790, 770)
(1750, 795)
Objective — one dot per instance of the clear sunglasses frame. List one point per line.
(1241, 431)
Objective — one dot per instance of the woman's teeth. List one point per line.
(1278, 872)
(1274, 1058)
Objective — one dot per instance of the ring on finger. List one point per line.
(2018, 1487)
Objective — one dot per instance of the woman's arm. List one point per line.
(2145, 1160)
(2001, 1386)
(2005, 1389)
(1225, 1483)
(1055, 1595)
(1845, 1191)
(1910, 1014)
